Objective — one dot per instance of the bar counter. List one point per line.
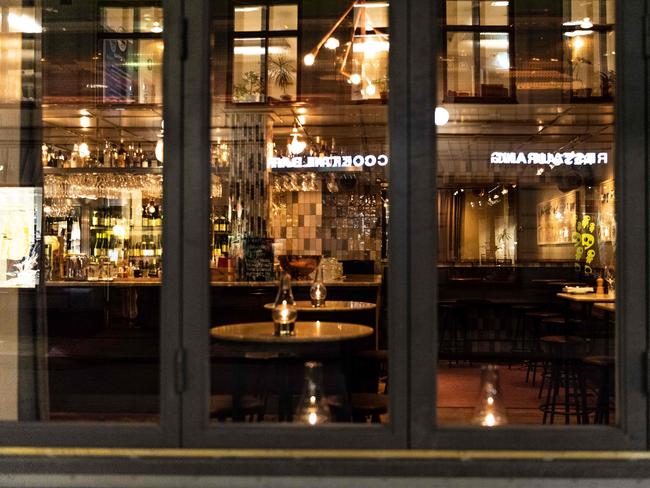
(349, 281)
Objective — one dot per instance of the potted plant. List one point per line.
(281, 71)
(382, 86)
(250, 89)
(607, 83)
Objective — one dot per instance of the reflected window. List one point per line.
(265, 53)
(478, 50)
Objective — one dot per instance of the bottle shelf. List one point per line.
(75, 171)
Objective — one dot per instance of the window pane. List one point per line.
(247, 75)
(81, 213)
(527, 224)
(299, 184)
(459, 12)
(461, 65)
(132, 19)
(283, 17)
(281, 68)
(494, 12)
(249, 18)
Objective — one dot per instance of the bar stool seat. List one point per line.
(604, 365)
(565, 379)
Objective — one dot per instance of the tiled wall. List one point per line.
(344, 225)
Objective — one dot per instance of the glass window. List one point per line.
(299, 197)
(265, 68)
(81, 213)
(527, 226)
(249, 18)
(283, 17)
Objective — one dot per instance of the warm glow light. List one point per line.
(578, 33)
(500, 4)
(441, 116)
(578, 43)
(313, 418)
(309, 59)
(258, 50)
(355, 78)
(23, 23)
(371, 90)
(371, 5)
(296, 146)
(159, 150)
(490, 420)
(302, 110)
(156, 28)
(84, 151)
(84, 122)
(332, 43)
(370, 47)
(586, 23)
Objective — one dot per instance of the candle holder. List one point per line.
(318, 290)
(312, 407)
(284, 310)
(490, 410)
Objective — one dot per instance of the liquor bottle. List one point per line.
(121, 155)
(137, 158)
(45, 155)
(59, 161)
(74, 157)
(95, 219)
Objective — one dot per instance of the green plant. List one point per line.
(504, 238)
(381, 84)
(250, 88)
(281, 71)
(607, 83)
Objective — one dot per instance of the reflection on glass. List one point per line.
(300, 176)
(249, 18)
(526, 215)
(283, 17)
(247, 75)
(80, 212)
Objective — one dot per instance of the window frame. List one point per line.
(165, 433)
(196, 285)
(476, 29)
(266, 34)
(632, 299)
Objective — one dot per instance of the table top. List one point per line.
(608, 307)
(330, 306)
(314, 331)
(588, 297)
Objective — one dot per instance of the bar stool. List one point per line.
(533, 320)
(604, 366)
(251, 408)
(364, 406)
(566, 379)
(520, 342)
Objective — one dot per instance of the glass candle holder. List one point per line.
(284, 310)
(490, 410)
(312, 407)
(318, 291)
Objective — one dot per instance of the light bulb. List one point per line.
(159, 150)
(309, 59)
(296, 146)
(84, 121)
(371, 90)
(332, 43)
(586, 23)
(355, 78)
(84, 151)
(441, 116)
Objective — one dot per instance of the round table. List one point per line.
(306, 332)
(330, 306)
(312, 339)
